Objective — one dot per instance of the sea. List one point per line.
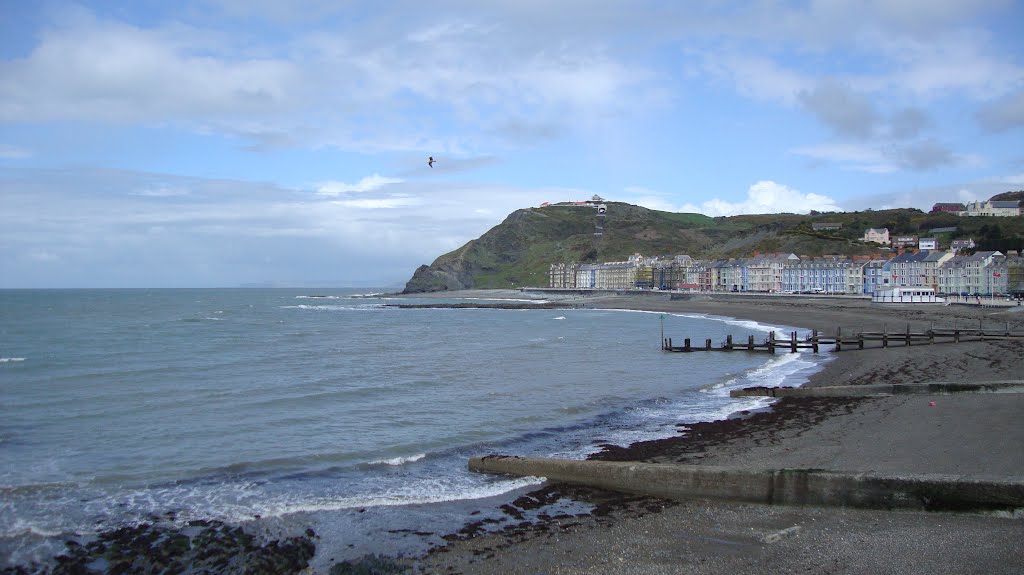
(282, 409)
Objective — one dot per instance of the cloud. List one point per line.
(846, 112)
(380, 203)
(908, 123)
(885, 157)
(764, 197)
(124, 228)
(14, 152)
(100, 70)
(755, 76)
(925, 155)
(1004, 114)
(367, 184)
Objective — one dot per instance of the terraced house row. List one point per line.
(983, 273)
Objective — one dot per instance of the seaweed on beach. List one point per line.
(201, 547)
(370, 565)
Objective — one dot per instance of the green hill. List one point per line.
(520, 250)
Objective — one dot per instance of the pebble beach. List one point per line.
(978, 433)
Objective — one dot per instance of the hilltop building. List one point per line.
(998, 208)
(951, 208)
(878, 236)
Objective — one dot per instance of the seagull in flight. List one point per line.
(430, 161)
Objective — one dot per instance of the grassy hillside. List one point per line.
(520, 250)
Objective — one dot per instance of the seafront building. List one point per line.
(983, 273)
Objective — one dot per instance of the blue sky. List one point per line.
(229, 142)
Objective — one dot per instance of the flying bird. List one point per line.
(430, 161)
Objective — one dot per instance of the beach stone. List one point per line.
(214, 549)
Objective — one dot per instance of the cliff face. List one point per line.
(492, 260)
(520, 250)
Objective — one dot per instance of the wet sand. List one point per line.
(960, 433)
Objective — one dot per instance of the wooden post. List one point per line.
(750, 343)
(956, 333)
(728, 342)
(686, 344)
(908, 335)
(860, 340)
(839, 339)
(771, 341)
(707, 344)
(885, 336)
(792, 341)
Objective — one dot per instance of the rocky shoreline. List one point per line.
(198, 547)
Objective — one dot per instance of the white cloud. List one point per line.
(764, 197)
(366, 184)
(162, 191)
(966, 196)
(379, 203)
(100, 70)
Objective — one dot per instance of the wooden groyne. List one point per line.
(860, 340)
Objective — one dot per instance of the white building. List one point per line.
(879, 236)
(992, 208)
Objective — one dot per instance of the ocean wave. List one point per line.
(780, 370)
(501, 300)
(11, 359)
(396, 461)
(362, 307)
(414, 493)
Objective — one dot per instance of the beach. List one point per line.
(954, 434)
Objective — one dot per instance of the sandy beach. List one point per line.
(948, 434)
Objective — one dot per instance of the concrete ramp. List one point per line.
(784, 486)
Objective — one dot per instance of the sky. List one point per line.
(222, 143)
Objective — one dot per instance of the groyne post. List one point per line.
(792, 342)
(908, 335)
(728, 342)
(686, 344)
(750, 343)
(707, 344)
(839, 339)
